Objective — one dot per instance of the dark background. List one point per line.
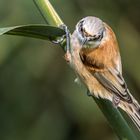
(38, 97)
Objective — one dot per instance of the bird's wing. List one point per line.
(113, 81)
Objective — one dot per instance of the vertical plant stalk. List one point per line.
(114, 117)
(116, 120)
(48, 12)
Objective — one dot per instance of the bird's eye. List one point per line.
(96, 38)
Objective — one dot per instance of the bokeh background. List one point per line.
(38, 97)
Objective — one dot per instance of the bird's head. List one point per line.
(90, 31)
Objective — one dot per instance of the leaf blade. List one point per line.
(40, 31)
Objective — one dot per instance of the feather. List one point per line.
(111, 83)
(100, 69)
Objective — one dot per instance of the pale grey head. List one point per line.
(90, 31)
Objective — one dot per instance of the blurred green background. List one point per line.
(38, 97)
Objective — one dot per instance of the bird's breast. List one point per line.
(85, 75)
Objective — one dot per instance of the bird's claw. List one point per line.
(60, 40)
(89, 93)
(67, 56)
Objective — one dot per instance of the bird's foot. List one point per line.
(61, 39)
(67, 56)
(89, 93)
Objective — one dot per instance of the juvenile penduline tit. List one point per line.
(94, 55)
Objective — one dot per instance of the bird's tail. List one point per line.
(133, 111)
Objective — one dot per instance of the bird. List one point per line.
(94, 55)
